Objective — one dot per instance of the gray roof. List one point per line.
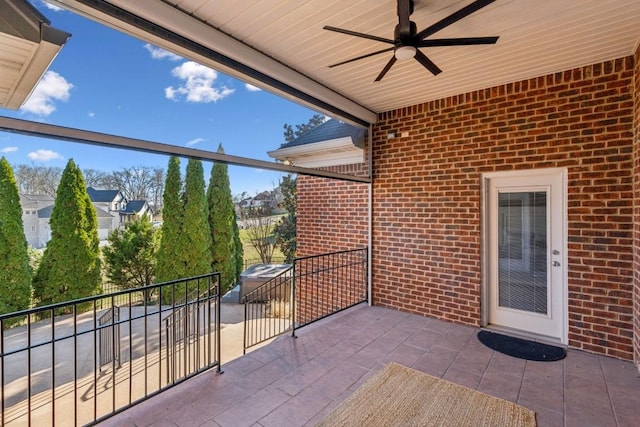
(331, 129)
(46, 212)
(134, 206)
(101, 196)
(35, 201)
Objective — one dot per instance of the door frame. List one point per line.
(484, 247)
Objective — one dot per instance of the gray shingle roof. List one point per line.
(98, 196)
(134, 206)
(331, 129)
(46, 212)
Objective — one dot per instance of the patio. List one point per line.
(297, 381)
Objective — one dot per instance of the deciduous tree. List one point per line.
(286, 228)
(130, 255)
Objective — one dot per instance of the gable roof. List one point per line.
(333, 143)
(331, 129)
(46, 212)
(102, 196)
(135, 206)
(34, 201)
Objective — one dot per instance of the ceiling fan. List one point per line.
(407, 40)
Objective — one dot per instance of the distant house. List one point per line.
(35, 232)
(112, 209)
(136, 209)
(121, 209)
(266, 199)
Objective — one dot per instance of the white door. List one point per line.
(526, 245)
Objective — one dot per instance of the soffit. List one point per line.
(536, 38)
(27, 46)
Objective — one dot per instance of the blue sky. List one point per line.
(109, 82)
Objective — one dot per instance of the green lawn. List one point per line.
(250, 253)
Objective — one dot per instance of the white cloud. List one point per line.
(158, 53)
(91, 114)
(52, 87)
(194, 142)
(251, 88)
(51, 6)
(198, 84)
(9, 150)
(43, 155)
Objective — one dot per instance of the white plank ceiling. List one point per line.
(537, 37)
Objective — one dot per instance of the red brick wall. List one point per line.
(427, 247)
(332, 217)
(426, 197)
(332, 214)
(636, 282)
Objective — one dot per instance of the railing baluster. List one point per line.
(53, 368)
(75, 364)
(29, 368)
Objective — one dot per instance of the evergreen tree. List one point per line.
(224, 229)
(286, 229)
(168, 266)
(15, 273)
(196, 235)
(70, 266)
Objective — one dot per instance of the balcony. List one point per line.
(297, 381)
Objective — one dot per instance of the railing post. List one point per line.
(293, 300)
(218, 315)
(244, 335)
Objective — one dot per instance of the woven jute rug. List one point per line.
(401, 396)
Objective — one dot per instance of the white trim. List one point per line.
(333, 152)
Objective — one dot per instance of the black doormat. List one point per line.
(523, 349)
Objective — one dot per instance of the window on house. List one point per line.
(33, 228)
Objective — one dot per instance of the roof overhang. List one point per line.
(281, 46)
(169, 27)
(28, 45)
(334, 152)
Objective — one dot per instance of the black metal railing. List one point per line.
(328, 283)
(267, 309)
(77, 363)
(313, 288)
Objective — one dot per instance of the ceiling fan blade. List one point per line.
(454, 17)
(386, 69)
(362, 57)
(404, 25)
(463, 41)
(427, 63)
(356, 34)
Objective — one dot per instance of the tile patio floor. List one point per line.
(294, 382)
